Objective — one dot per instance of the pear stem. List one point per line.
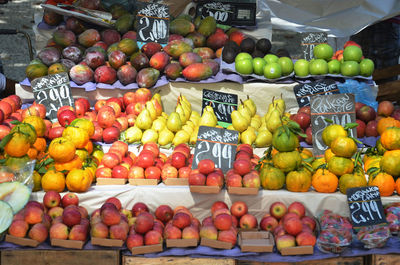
(241, 101)
(248, 97)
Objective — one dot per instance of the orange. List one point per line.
(379, 147)
(331, 132)
(40, 144)
(18, 145)
(78, 180)
(62, 149)
(76, 162)
(343, 146)
(89, 147)
(397, 186)
(82, 153)
(348, 181)
(324, 181)
(390, 138)
(340, 165)
(305, 153)
(384, 182)
(77, 135)
(371, 161)
(390, 162)
(16, 163)
(85, 125)
(26, 129)
(318, 162)
(272, 178)
(37, 181)
(32, 153)
(385, 123)
(53, 180)
(298, 181)
(37, 123)
(287, 161)
(328, 154)
(284, 140)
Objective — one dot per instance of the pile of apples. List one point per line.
(206, 174)
(243, 174)
(180, 225)
(290, 226)
(69, 219)
(179, 164)
(367, 117)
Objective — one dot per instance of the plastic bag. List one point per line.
(362, 91)
(21, 174)
(374, 236)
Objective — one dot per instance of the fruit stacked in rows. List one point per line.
(69, 219)
(179, 164)
(206, 174)
(241, 216)
(146, 230)
(243, 174)
(110, 221)
(220, 225)
(336, 232)
(349, 63)
(290, 226)
(179, 223)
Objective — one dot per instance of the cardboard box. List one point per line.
(243, 191)
(106, 242)
(143, 182)
(182, 243)
(256, 241)
(147, 249)
(22, 241)
(215, 243)
(110, 181)
(299, 250)
(176, 182)
(76, 244)
(205, 189)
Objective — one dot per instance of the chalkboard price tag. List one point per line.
(53, 91)
(365, 206)
(340, 108)
(222, 103)
(216, 144)
(152, 23)
(303, 92)
(222, 12)
(311, 39)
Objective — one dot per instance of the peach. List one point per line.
(59, 231)
(99, 230)
(134, 240)
(118, 231)
(78, 232)
(227, 236)
(152, 238)
(18, 228)
(172, 232)
(190, 232)
(33, 215)
(38, 232)
(144, 223)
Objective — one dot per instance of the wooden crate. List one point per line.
(60, 257)
(131, 260)
(333, 261)
(391, 259)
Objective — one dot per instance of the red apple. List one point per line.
(209, 231)
(385, 108)
(223, 221)
(184, 172)
(214, 179)
(69, 198)
(66, 117)
(371, 129)
(268, 223)
(152, 173)
(293, 226)
(218, 205)
(309, 221)
(144, 223)
(360, 128)
(227, 236)
(234, 180)
(242, 166)
(297, 208)
(145, 159)
(366, 113)
(178, 160)
(138, 208)
(239, 208)
(278, 210)
(136, 172)
(251, 180)
(206, 166)
(181, 220)
(305, 239)
(111, 134)
(248, 221)
(120, 172)
(51, 199)
(285, 241)
(197, 179)
(164, 213)
(142, 95)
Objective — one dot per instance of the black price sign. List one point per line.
(216, 144)
(222, 103)
(303, 92)
(152, 23)
(222, 12)
(53, 91)
(340, 108)
(365, 206)
(311, 39)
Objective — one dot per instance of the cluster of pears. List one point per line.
(164, 129)
(254, 129)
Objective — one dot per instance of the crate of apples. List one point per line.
(206, 178)
(292, 229)
(182, 230)
(242, 179)
(145, 234)
(177, 168)
(70, 222)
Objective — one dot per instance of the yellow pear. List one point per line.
(193, 136)
(181, 137)
(162, 118)
(274, 121)
(165, 115)
(158, 125)
(174, 122)
(165, 137)
(157, 96)
(149, 135)
(133, 134)
(191, 124)
(249, 103)
(238, 121)
(194, 114)
(248, 136)
(187, 128)
(185, 101)
(151, 109)
(187, 110)
(245, 112)
(144, 120)
(181, 113)
(264, 139)
(208, 119)
(280, 104)
(230, 127)
(255, 123)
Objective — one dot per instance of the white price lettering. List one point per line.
(216, 152)
(199, 146)
(219, 15)
(41, 96)
(226, 153)
(374, 208)
(356, 206)
(144, 20)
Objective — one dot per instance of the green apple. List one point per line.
(286, 65)
(271, 58)
(258, 65)
(244, 67)
(350, 68)
(242, 56)
(301, 67)
(367, 67)
(272, 71)
(334, 67)
(318, 67)
(352, 53)
(323, 51)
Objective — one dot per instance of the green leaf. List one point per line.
(309, 160)
(371, 171)
(294, 125)
(15, 122)
(48, 161)
(350, 125)
(42, 170)
(5, 140)
(328, 120)
(302, 135)
(287, 131)
(356, 140)
(323, 166)
(2, 161)
(308, 167)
